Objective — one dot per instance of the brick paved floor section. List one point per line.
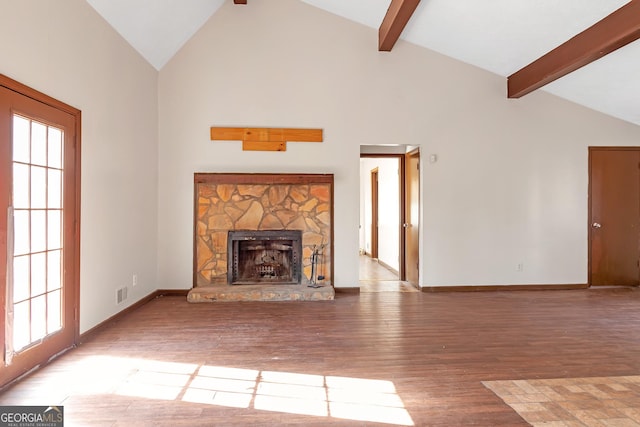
(573, 402)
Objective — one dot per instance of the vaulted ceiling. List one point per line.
(501, 36)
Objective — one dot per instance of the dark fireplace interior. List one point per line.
(264, 257)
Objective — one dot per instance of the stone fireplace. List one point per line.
(257, 235)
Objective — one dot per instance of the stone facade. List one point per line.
(261, 202)
(202, 294)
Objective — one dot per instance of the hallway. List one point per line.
(376, 278)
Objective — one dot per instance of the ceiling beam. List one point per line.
(239, 1)
(394, 21)
(613, 32)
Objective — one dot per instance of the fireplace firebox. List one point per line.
(264, 257)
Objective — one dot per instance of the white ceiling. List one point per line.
(500, 36)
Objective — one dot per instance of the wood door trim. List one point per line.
(413, 153)
(402, 207)
(374, 212)
(613, 148)
(37, 95)
(72, 250)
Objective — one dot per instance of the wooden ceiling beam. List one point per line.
(239, 1)
(394, 21)
(613, 32)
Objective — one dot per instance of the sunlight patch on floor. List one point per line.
(357, 399)
(318, 395)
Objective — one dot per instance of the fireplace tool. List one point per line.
(317, 251)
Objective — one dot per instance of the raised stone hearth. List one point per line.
(278, 206)
(260, 293)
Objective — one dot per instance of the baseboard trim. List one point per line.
(91, 333)
(388, 267)
(88, 335)
(352, 290)
(504, 288)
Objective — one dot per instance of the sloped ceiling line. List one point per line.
(500, 36)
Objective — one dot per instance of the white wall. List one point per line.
(65, 49)
(388, 216)
(510, 185)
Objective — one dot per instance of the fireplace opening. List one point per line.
(264, 257)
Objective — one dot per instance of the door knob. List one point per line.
(596, 225)
(406, 225)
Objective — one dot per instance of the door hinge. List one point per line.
(418, 165)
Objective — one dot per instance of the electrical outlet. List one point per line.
(519, 267)
(134, 280)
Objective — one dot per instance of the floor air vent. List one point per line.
(121, 295)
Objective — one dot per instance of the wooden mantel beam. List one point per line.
(613, 32)
(265, 139)
(394, 21)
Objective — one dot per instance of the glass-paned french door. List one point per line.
(37, 230)
(38, 236)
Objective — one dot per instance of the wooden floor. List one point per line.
(370, 269)
(368, 359)
(375, 277)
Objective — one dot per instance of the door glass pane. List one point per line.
(20, 186)
(54, 229)
(37, 183)
(21, 233)
(38, 144)
(53, 311)
(21, 325)
(53, 270)
(38, 317)
(54, 189)
(38, 230)
(38, 274)
(21, 139)
(38, 188)
(21, 278)
(55, 148)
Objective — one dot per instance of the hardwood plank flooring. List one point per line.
(368, 359)
(370, 269)
(374, 277)
(386, 286)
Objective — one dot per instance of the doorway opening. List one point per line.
(383, 229)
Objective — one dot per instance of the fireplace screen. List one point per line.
(264, 257)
